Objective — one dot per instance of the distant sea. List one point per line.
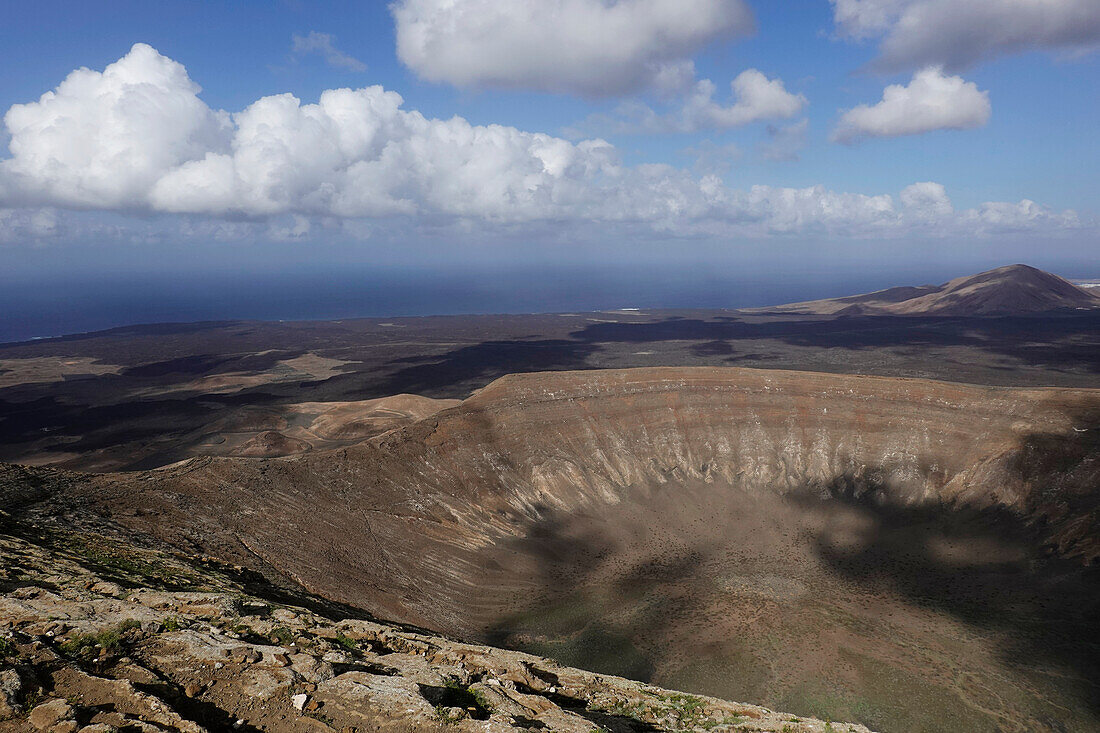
(42, 309)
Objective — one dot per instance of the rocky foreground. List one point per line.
(97, 635)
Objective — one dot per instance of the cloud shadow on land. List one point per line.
(991, 567)
(668, 586)
(1049, 341)
(564, 553)
(1037, 340)
(471, 367)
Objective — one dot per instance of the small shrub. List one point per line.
(109, 640)
(78, 645)
(455, 694)
(443, 715)
(346, 642)
(282, 635)
(688, 709)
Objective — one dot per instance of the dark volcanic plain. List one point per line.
(146, 396)
(891, 519)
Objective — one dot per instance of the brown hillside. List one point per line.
(1010, 290)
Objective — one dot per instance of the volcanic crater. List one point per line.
(914, 555)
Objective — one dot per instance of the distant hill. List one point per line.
(1014, 289)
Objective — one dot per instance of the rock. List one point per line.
(106, 588)
(65, 726)
(284, 616)
(11, 686)
(49, 713)
(299, 701)
(310, 668)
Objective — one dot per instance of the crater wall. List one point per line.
(827, 544)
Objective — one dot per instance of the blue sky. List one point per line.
(988, 151)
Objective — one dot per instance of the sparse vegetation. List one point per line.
(128, 565)
(109, 641)
(346, 642)
(456, 694)
(282, 635)
(688, 706)
(31, 700)
(637, 709)
(321, 717)
(445, 716)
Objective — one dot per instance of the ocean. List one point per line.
(46, 307)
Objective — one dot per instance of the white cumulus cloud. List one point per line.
(589, 47)
(927, 200)
(931, 101)
(102, 139)
(755, 98)
(758, 98)
(958, 33)
(859, 19)
(136, 139)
